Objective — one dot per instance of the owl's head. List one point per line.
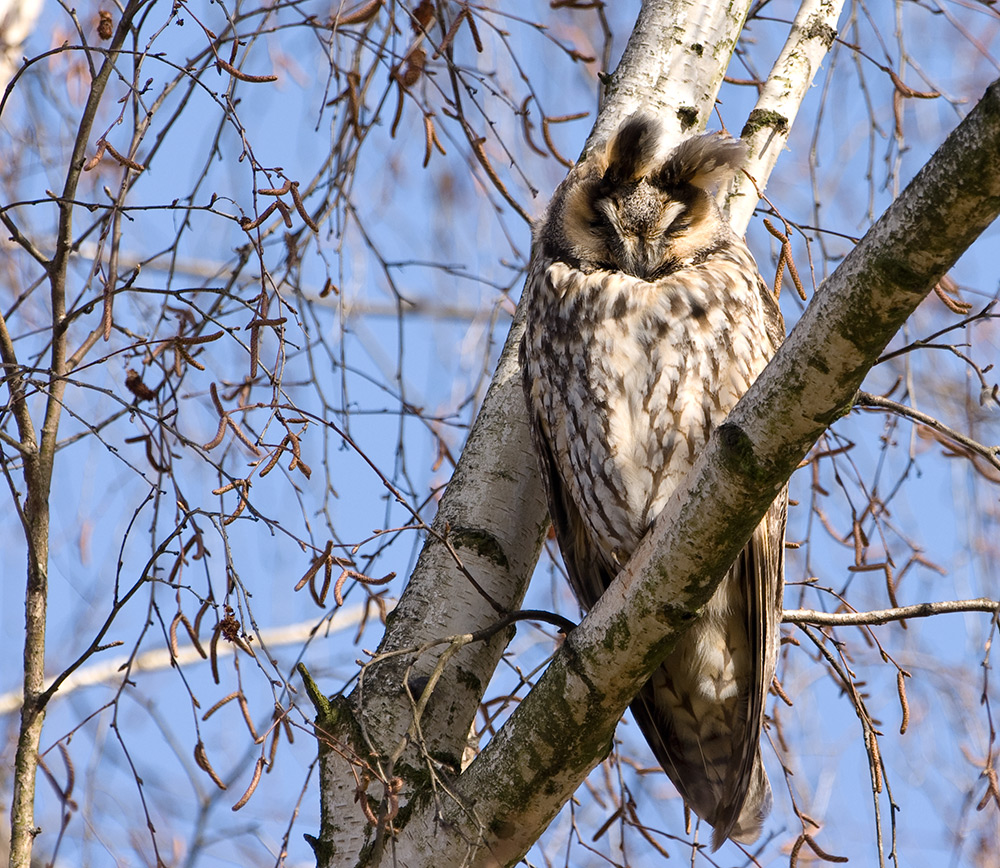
(629, 207)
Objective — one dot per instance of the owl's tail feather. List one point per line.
(703, 709)
(742, 820)
(707, 749)
(707, 783)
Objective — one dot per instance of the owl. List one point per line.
(646, 322)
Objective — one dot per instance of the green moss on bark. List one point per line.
(738, 453)
(764, 119)
(482, 543)
(688, 116)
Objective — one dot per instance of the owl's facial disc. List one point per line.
(640, 218)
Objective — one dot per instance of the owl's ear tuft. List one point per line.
(703, 161)
(632, 150)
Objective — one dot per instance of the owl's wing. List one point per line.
(589, 575)
(715, 761)
(760, 569)
(774, 322)
(761, 565)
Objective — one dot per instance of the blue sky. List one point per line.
(351, 359)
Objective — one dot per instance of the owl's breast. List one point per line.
(643, 371)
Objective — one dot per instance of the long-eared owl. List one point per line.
(647, 320)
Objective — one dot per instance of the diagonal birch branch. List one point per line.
(564, 727)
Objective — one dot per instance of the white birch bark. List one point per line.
(770, 122)
(493, 518)
(673, 66)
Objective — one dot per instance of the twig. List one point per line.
(884, 616)
(990, 453)
(985, 313)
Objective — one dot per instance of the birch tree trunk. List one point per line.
(391, 788)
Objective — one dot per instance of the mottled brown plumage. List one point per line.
(647, 321)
